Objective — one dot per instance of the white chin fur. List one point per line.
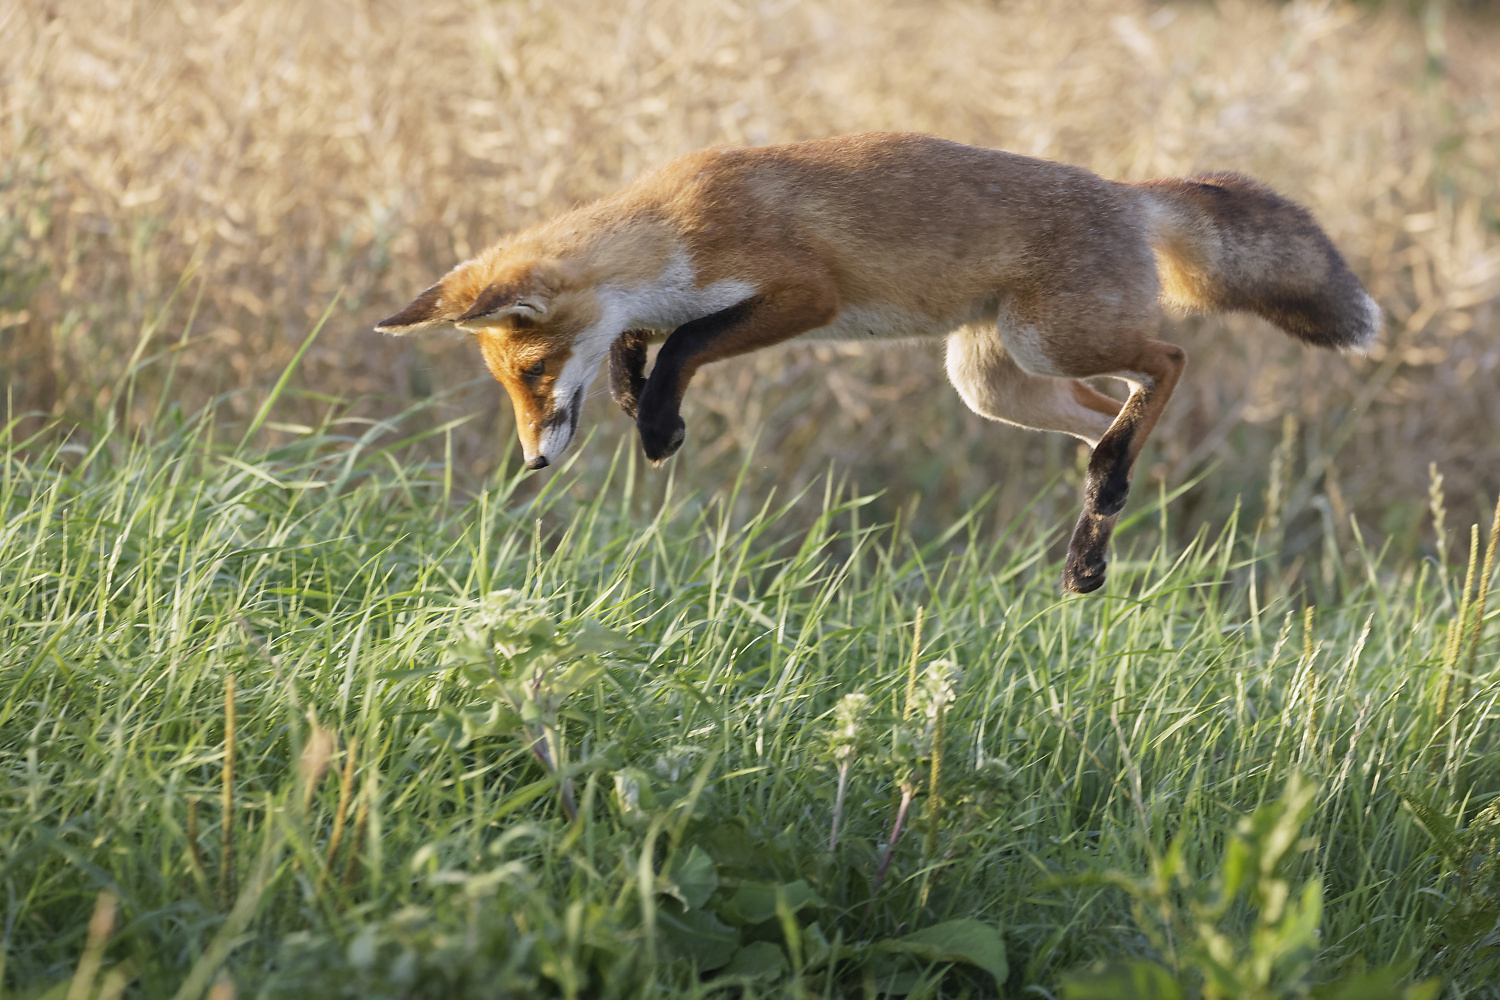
(556, 440)
(571, 388)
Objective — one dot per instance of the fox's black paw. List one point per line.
(661, 437)
(1084, 572)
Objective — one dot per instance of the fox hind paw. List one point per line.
(1084, 571)
(1078, 579)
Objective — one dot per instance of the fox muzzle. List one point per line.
(558, 429)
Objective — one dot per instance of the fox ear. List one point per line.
(425, 310)
(507, 300)
(452, 300)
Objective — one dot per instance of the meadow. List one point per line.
(307, 690)
(302, 720)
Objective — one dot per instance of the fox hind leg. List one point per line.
(1153, 373)
(995, 386)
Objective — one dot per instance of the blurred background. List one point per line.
(211, 174)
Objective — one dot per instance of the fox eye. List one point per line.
(534, 372)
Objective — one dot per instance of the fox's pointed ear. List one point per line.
(425, 310)
(508, 300)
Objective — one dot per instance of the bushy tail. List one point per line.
(1224, 242)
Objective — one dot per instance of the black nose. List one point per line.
(539, 462)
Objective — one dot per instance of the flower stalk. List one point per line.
(847, 742)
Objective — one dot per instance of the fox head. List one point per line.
(531, 319)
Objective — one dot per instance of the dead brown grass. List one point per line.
(266, 153)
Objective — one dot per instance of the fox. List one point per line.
(1040, 275)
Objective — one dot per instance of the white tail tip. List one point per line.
(1369, 330)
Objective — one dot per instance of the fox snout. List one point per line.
(557, 429)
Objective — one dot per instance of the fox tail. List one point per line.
(1224, 242)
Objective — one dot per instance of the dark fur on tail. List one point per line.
(1225, 242)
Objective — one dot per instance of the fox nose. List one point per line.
(536, 462)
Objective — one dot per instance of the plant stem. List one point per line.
(1455, 637)
(1479, 605)
(541, 749)
(908, 792)
(341, 814)
(934, 791)
(226, 858)
(838, 804)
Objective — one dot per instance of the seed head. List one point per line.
(847, 739)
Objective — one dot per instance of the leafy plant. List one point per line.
(1201, 928)
(513, 654)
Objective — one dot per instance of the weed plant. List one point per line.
(301, 720)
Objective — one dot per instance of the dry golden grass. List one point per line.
(275, 151)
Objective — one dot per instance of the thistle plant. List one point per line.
(847, 741)
(511, 651)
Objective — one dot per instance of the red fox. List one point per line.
(1038, 274)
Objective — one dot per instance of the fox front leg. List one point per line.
(690, 346)
(773, 315)
(627, 370)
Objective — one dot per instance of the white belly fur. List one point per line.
(872, 323)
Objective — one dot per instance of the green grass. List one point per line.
(1090, 741)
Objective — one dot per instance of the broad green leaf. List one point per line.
(698, 936)
(458, 728)
(693, 878)
(894, 975)
(962, 940)
(753, 904)
(576, 677)
(1463, 925)
(815, 947)
(758, 960)
(730, 844)
(593, 638)
(633, 795)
